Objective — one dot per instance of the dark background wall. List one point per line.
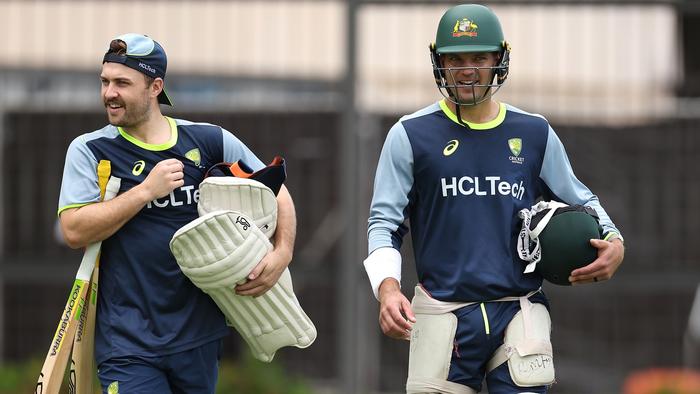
(646, 177)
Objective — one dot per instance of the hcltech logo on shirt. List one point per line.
(185, 195)
(477, 186)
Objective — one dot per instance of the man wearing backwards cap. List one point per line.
(155, 331)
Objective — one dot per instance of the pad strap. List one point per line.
(424, 303)
(528, 237)
(499, 357)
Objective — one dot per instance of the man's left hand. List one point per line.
(610, 256)
(265, 274)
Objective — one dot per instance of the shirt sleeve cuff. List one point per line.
(613, 235)
(382, 263)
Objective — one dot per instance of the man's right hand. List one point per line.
(90, 223)
(395, 314)
(165, 177)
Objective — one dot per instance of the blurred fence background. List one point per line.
(321, 82)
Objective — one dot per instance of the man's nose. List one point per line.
(467, 69)
(110, 91)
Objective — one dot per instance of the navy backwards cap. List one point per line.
(143, 54)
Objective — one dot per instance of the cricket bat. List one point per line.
(82, 357)
(54, 367)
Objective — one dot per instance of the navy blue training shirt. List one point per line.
(461, 189)
(146, 306)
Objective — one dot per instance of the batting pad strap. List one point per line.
(382, 263)
(250, 197)
(499, 357)
(528, 239)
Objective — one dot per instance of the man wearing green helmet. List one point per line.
(470, 59)
(460, 171)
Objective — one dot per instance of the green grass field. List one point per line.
(245, 376)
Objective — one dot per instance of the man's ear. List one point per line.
(157, 87)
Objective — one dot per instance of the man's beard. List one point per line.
(134, 114)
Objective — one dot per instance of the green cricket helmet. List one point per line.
(555, 239)
(469, 28)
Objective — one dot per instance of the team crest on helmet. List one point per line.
(465, 27)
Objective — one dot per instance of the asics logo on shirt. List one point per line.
(477, 186)
(450, 148)
(138, 167)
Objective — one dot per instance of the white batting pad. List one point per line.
(528, 347)
(252, 198)
(270, 321)
(218, 251)
(430, 355)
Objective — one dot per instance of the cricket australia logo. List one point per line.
(516, 146)
(465, 27)
(194, 156)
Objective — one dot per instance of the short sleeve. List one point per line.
(79, 185)
(235, 150)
